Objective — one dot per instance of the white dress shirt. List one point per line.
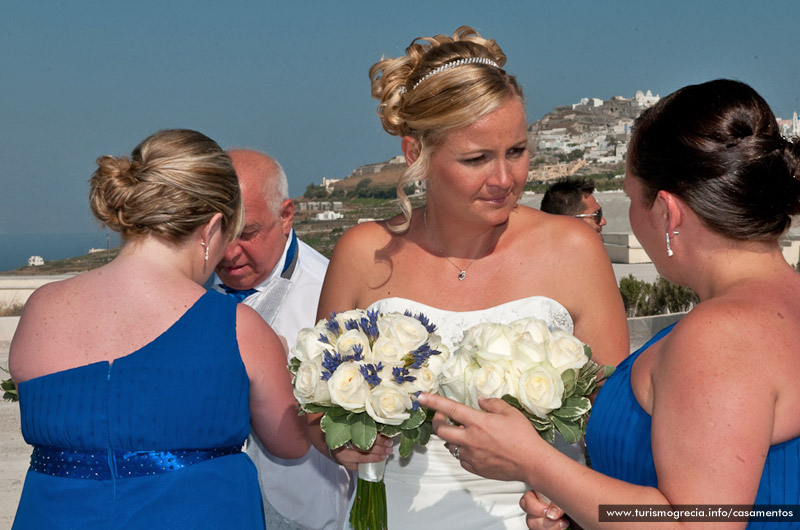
(312, 492)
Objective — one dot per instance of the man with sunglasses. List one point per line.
(573, 196)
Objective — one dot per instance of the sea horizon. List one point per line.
(15, 249)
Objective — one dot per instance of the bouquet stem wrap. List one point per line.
(369, 505)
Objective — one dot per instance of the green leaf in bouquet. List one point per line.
(539, 423)
(573, 408)
(389, 430)
(313, 408)
(607, 371)
(568, 377)
(514, 402)
(294, 365)
(408, 439)
(587, 351)
(425, 431)
(341, 412)
(548, 434)
(414, 421)
(568, 429)
(337, 430)
(363, 431)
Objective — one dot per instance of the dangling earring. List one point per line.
(670, 253)
(206, 247)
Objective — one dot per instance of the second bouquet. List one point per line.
(546, 374)
(363, 371)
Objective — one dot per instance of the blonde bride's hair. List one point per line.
(442, 83)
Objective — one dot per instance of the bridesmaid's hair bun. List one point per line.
(173, 182)
(718, 147)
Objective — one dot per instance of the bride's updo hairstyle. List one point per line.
(442, 83)
(173, 183)
(718, 147)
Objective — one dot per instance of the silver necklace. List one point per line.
(462, 273)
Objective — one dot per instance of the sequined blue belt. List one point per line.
(103, 465)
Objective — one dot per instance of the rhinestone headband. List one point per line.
(448, 66)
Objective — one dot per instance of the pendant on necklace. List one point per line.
(462, 275)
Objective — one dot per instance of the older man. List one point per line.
(573, 196)
(271, 270)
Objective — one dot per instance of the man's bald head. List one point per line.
(268, 216)
(259, 169)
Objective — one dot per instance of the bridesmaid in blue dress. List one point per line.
(137, 385)
(706, 412)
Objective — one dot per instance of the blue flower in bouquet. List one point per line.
(362, 368)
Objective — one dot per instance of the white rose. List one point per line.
(387, 350)
(388, 403)
(488, 381)
(541, 389)
(425, 381)
(455, 375)
(527, 352)
(309, 346)
(566, 351)
(346, 316)
(488, 342)
(406, 331)
(309, 386)
(436, 362)
(348, 340)
(347, 387)
(536, 328)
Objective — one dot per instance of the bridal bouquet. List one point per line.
(363, 372)
(548, 375)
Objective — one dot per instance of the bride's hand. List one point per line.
(350, 456)
(540, 515)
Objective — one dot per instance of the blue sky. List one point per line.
(81, 79)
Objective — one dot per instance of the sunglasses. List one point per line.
(596, 216)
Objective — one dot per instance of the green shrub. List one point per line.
(662, 297)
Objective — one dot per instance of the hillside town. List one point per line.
(592, 132)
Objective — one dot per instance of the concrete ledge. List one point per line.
(624, 248)
(640, 329)
(8, 325)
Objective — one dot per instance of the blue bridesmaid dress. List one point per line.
(152, 440)
(618, 441)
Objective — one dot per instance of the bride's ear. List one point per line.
(411, 148)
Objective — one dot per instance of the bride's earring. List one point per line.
(206, 247)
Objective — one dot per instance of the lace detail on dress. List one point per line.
(451, 325)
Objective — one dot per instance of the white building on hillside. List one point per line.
(790, 128)
(35, 261)
(328, 215)
(646, 100)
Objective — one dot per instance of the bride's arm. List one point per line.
(341, 290)
(591, 295)
(347, 271)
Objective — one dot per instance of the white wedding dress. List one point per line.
(430, 489)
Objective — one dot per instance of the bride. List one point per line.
(470, 255)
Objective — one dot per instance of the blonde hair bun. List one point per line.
(174, 181)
